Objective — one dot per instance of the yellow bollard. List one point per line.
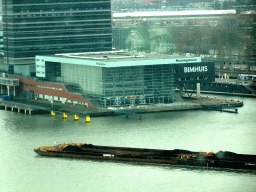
(87, 119)
(76, 117)
(65, 116)
(52, 113)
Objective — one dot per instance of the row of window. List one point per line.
(40, 73)
(39, 66)
(47, 2)
(63, 14)
(79, 33)
(50, 51)
(56, 98)
(192, 78)
(55, 88)
(61, 8)
(67, 46)
(44, 27)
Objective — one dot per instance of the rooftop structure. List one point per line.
(174, 13)
(120, 59)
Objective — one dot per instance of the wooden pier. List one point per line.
(22, 108)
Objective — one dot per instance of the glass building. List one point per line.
(120, 78)
(43, 27)
(141, 84)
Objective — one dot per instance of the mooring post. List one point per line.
(8, 90)
(198, 90)
(181, 90)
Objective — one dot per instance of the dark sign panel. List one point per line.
(195, 72)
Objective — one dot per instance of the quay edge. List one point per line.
(186, 103)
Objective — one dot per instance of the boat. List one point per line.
(221, 159)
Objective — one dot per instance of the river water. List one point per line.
(22, 170)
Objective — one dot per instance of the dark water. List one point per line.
(22, 170)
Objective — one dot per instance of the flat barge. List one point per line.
(222, 159)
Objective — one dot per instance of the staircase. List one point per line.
(253, 91)
(72, 88)
(76, 89)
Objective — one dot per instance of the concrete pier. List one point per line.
(183, 103)
(20, 107)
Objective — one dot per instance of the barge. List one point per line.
(222, 159)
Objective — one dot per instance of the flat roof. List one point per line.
(117, 59)
(173, 13)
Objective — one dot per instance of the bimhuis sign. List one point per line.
(195, 67)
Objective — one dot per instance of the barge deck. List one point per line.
(174, 157)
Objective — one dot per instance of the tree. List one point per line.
(159, 40)
(134, 41)
(227, 37)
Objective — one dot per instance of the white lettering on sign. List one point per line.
(195, 69)
(101, 64)
(186, 60)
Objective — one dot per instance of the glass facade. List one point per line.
(134, 85)
(121, 86)
(120, 35)
(43, 27)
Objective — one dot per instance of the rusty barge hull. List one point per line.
(107, 157)
(155, 156)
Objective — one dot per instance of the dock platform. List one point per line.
(22, 108)
(30, 106)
